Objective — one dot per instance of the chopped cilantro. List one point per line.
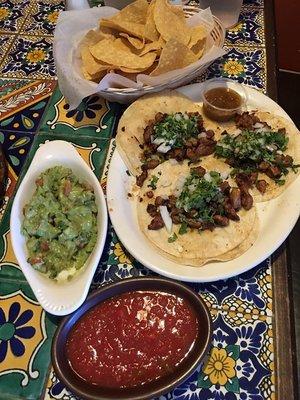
(183, 228)
(153, 182)
(248, 149)
(176, 128)
(202, 195)
(252, 146)
(172, 238)
(280, 182)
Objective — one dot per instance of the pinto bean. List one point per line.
(261, 185)
(67, 187)
(221, 220)
(247, 201)
(39, 182)
(156, 223)
(141, 178)
(44, 246)
(235, 198)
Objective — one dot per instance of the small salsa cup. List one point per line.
(222, 114)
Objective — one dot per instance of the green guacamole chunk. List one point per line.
(60, 223)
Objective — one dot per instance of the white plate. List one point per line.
(57, 298)
(277, 217)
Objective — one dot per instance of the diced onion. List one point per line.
(271, 147)
(158, 141)
(166, 218)
(178, 117)
(236, 132)
(173, 161)
(224, 175)
(179, 184)
(202, 135)
(163, 148)
(207, 177)
(258, 125)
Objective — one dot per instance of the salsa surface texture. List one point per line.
(132, 339)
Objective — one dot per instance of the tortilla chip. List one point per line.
(169, 24)
(135, 42)
(157, 45)
(178, 10)
(131, 28)
(92, 37)
(90, 64)
(135, 12)
(130, 19)
(150, 31)
(112, 53)
(198, 33)
(174, 55)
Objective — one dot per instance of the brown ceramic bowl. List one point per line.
(150, 390)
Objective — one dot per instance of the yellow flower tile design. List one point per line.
(220, 367)
(121, 255)
(52, 17)
(88, 113)
(22, 333)
(36, 55)
(4, 13)
(233, 67)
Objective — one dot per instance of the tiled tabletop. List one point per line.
(32, 111)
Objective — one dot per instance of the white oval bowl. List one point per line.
(65, 297)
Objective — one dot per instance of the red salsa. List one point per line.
(132, 339)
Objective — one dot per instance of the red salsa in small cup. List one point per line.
(132, 339)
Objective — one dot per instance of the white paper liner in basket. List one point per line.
(70, 30)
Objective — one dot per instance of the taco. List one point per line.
(163, 126)
(192, 215)
(264, 152)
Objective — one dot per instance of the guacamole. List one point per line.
(60, 223)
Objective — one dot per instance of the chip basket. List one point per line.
(127, 95)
